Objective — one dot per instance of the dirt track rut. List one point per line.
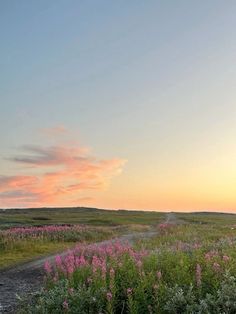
(28, 278)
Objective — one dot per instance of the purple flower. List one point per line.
(65, 305)
(109, 296)
(226, 258)
(129, 291)
(216, 267)
(47, 267)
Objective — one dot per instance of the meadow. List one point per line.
(21, 244)
(188, 265)
(27, 234)
(77, 215)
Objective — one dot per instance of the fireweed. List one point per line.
(54, 233)
(26, 243)
(118, 278)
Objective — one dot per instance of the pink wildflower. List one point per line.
(47, 267)
(104, 269)
(109, 296)
(216, 267)
(129, 291)
(59, 263)
(65, 305)
(226, 258)
(112, 272)
(208, 256)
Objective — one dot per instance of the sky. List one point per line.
(118, 104)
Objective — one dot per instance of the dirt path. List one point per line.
(171, 218)
(28, 278)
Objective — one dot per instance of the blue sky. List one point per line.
(152, 82)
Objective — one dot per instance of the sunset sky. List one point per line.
(118, 104)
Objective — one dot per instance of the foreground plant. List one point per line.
(116, 278)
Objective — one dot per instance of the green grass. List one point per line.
(31, 251)
(198, 226)
(203, 234)
(79, 215)
(119, 222)
(208, 218)
(18, 250)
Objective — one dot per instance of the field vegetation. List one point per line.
(185, 268)
(26, 243)
(77, 215)
(26, 234)
(188, 265)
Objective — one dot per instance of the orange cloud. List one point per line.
(61, 176)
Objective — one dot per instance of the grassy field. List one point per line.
(80, 215)
(211, 218)
(23, 244)
(187, 267)
(95, 225)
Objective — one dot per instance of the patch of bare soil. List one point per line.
(172, 219)
(22, 282)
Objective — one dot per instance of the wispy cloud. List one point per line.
(55, 131)
(57, 175)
